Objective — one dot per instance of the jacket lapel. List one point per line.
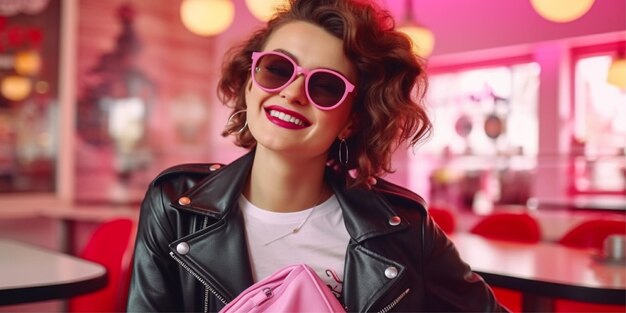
(219, 253)
(367, 215)
(218, 194)
(365, 282)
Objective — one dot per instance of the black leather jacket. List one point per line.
(191, 252)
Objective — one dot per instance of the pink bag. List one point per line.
(295, 288)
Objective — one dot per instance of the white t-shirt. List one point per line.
(320, 243)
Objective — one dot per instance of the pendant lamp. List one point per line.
(263, 10)
(422, 38)
(561, 11)
(15, 87)
(27, 62)
(617, 71)
(207, 17)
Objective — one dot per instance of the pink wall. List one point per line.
(182, 69)
(466, 25)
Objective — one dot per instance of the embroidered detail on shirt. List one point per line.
(337, 286)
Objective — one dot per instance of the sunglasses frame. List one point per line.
(298, 70)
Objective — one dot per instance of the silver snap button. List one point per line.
(214, 167)
(394, 220)
(184, 200)
(391, 272)
(183, 248)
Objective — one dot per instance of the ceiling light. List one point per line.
(617, 72)
(207, 17)
(561, 11)
(16, 88)
(422, 38)
(263, 10)
(27, 62)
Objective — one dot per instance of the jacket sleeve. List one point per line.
(154, 285)
(451, 285)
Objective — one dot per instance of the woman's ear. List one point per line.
(349, 129)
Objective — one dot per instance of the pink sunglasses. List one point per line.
(273, 71)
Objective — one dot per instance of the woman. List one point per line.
(322, 97)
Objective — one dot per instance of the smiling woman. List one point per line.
(321, 97)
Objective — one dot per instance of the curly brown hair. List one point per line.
(388, 107)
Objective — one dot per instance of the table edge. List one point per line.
(556, 290)
(55, 291)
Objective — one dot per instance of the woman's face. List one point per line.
(284, 120)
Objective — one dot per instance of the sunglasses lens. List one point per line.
(273, 71)
(326, 89)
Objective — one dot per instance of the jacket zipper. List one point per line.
(394, 302)
(206, 284)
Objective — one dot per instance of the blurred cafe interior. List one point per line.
(527, 97)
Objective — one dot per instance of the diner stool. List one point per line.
(509, 226)
(590, 234)
(444, 218)
(111, 246)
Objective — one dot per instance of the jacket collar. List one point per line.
(218, 194)
(366, 212)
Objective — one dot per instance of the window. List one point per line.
(29, 110)
(485, 135)
(599, 154)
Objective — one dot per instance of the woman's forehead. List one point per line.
(311, 46)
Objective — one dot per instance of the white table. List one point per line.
(29, 273)
(616, 203)
(543, 271)
(63, 217)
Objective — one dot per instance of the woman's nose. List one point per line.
(295, 91)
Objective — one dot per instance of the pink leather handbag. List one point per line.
(294, 288)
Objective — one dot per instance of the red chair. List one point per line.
(110, 245)
(509, 226)
(590, 234)
(444, 218)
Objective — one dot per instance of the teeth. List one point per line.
(287, 118)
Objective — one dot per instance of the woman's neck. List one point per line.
(286, 184)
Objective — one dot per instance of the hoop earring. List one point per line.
(343, 151)
(230, 119)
